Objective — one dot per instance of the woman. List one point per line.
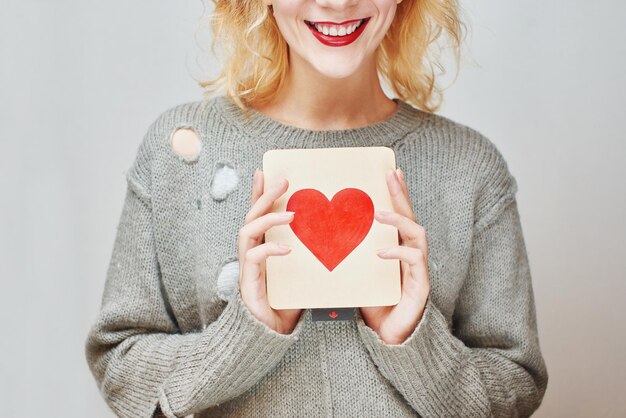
(185, 326)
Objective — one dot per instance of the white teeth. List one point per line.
(338, 30)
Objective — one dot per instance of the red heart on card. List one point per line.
(331, 229)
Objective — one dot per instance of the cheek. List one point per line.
(289, 16)
(386, 10)
(385, 5)
(385, 18)
(287, 11)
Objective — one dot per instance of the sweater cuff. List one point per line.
(425, 362)
(370, 337)
(258, 326)
(233, 353)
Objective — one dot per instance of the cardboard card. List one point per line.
(333, 236)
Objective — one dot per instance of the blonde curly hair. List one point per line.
(256, 54)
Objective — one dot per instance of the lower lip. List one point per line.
(338, 40)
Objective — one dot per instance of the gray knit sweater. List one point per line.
(173, 337)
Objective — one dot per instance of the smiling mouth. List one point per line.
(337, 29)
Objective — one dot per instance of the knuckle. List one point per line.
(244, 232)
(250, 254)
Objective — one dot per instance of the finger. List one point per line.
(289, 317)
(266, 200)
(399, 200)
(257, 191)
(409, 255)
(255, 256)
(411, 233)
(259, 226)
(257, 186)
(405, 188)
(418, 267)
(252, 232)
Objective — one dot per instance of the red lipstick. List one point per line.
(338, 40)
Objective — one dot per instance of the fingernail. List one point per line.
(382, 251)
(383, 213)
(284, 247)
(401, 174)
(287, 214)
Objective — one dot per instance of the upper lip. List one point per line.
(335, 23)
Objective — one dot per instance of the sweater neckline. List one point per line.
(404, 119)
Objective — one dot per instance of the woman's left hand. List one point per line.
(394, 324)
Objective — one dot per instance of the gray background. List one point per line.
(81, 81)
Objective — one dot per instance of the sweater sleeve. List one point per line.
(489, 363)
(142, 363)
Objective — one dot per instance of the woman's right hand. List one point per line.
(253, 251)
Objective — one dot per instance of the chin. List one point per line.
(336, 70)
